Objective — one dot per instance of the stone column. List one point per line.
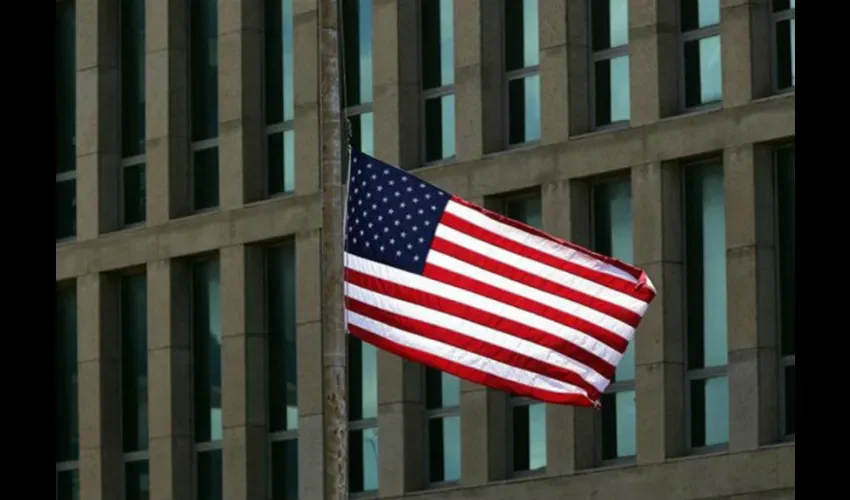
(98, 108)
(99, 376)
(311, 480)
(242, 172)
(570, 432)
(306, 38)
(244, 392)
(746, 50)
(170, 393)
(653, 60)
(659, 340)
(751, 275)
(167, 110)
(554, 85)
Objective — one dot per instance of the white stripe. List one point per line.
(532, 241)
(486, 304)
(476, 331)
(544, 271)
(582, 311)
(465, 358)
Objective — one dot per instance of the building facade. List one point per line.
(188, 297)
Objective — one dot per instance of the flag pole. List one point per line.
(334, 360)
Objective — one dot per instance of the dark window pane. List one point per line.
(205, 178)
(134, 361)
(613, 98)
(790, 400)
(439, 128)
(699, 14)
(206, 323)
(610, 23)
(67, 444)
(442, 389)
(529, 437)
(705, 260)
(285, 470)
(280, 279)
(279, 61)
(362, 380)
(358, 51)
(363, 465)
(703, 72)
(134, 194)
(137, 481)
(209, 475)
(785, 54)
(525, 209)
(66, 87)
(204, 60)
(281, 151)
(522, 45)
(780, 5)
(66, 209)
(524, 109)
(786, 201)
(69, 485)
(618, 425)
(444, 449)
(709, 411)
(132, 77)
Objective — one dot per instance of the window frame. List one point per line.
(63, 177)
(70, 175)
(288, 434)
(704, 373)
(604, 55)
(789, 360)
(777, 17)
(361, 425)
(511, 76)
(430, 414)
(281, 127)
(127, 161)
(70, 465)
(513, 403)
(429, 94)
(685, 37)
(614, 387)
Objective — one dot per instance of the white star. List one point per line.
(376, 237)
(391, 211)
(355, 240)
(415, 257)
(392, 241)
(415, 228)
(403, 234)
(427, 196)
(386, 230)
(385, 199)
(421, 240)
(363, 183)
(386, 171)
(374, 176)
(370, 225)
(361, 232)
(355, 190)
(392, 183)
(380, 218)
(367, 244)
(398, 252)
(397, 222)
(368, 165)
(409, 246)
(355, 160)
(368, 195)
(440, 193)
(359, 171)
(374, 206)
(421, 185)
(427, 223)
(404, 179)
(382, 248)
(433, 207)
(409, 189)
(397, 194)
(403, 205)
(415, 200)
(380, 188)
(421, 211)
(407, 217)
(364, 213)
(357, 221)
(359, 202)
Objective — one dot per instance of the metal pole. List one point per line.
(333, 333)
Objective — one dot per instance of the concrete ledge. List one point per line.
(590, 154)
(767, 473)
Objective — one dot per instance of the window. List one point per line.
(66, 121)
(357, 47)
(442, 403)
(705, 288)
(67, 428)
(700, 25)
(784, 63)
(612, 235)
(438, 77)
(786, 204)
(206, 350)
(527, 417)
(280, 100)
(134, 384)
(609, 20)
(203, 25)
(363, 415)
(522, 59)
(283, 418)
(132, 195)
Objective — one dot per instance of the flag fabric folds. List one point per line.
(443, 282)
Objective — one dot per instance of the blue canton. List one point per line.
(391, 215)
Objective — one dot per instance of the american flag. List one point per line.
(443, 282)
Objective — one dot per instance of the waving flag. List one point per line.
(440, 281)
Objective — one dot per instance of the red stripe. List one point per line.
(608, 280)
(467, 372)
(470, 344)
(610, 339)
(476, 315)
(509, 271)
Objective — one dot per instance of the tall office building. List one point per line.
(188, 227)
